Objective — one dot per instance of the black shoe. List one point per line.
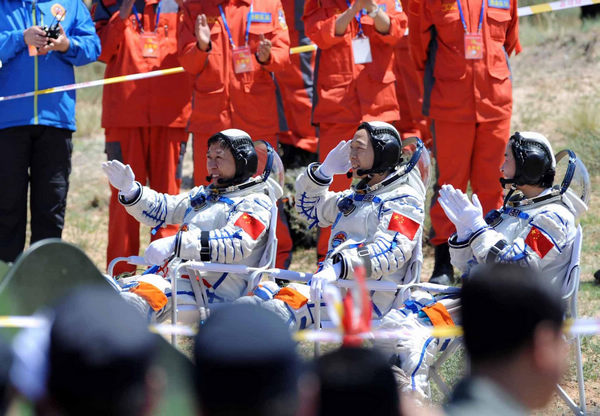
(443, 272)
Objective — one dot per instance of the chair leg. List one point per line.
(435, 368)
(580, 381)
(581, 408)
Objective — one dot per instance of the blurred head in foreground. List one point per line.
(357, 381)
(246, 364)
(100, 357)
(513, 332)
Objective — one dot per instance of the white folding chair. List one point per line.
(570, 290)
(253, 274)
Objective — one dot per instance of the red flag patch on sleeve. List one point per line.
(251, 225)
(403, 225)
(538, 242)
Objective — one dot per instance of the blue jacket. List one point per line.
(22, 73)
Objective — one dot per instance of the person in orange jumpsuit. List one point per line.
(144, 120)
(463, 47)
(295, 84)
(232, 48)
(354, 71)
(409, 90)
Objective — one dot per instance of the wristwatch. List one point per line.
(374, 13)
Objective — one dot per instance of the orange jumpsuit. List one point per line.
(348, 93)
(223, 99)
(409, 90)
(295, 84)
(144, 120)
(468, 100)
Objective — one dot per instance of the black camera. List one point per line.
(52, 32)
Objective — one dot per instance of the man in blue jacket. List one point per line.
(35, 132)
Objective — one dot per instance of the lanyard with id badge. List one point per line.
(148, 41)
(361, 48)
(242, 57)
(473, 41)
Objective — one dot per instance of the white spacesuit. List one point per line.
(222, 224)
(536, 231)
(378, 226)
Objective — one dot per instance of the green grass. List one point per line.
(89, 100)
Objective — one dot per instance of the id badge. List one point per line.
(149, 45)
(33, 51)
(473, 46)
(361, 49)
(242, 59)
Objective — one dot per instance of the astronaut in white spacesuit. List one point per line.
(225, 222)
(536, 228)
(377, 224)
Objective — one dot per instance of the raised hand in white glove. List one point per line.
(467, 216)
(337, 161)
(318, 281)
(121, 177)
(159, 250)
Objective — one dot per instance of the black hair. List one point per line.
(6, 359)
(502, 304)
(246, 364)
(100, 353)
(357, 381)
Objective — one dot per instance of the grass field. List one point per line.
(556, 91)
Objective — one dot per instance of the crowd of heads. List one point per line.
(99, 357)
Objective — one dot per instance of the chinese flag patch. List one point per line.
(251, 225)
(538, 242)
(403, 225)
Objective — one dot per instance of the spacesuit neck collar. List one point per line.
(234, 188)
(369, 189)
(546, 196)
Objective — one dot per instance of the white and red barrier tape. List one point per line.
(522, 11)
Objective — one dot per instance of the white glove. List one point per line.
(159, 250)
(121, 177)
(337, 161)
(318, 281)
(467, 216)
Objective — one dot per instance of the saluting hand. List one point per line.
(202, 32)
(264, 50)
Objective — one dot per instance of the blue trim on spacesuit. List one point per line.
(158, 213)
(308, 213)
(412, 376)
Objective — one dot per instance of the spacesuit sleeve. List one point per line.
(156, 209)
(461, 255)
(399, 230)
(314, 202)
(545, 237)
(247, 228)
